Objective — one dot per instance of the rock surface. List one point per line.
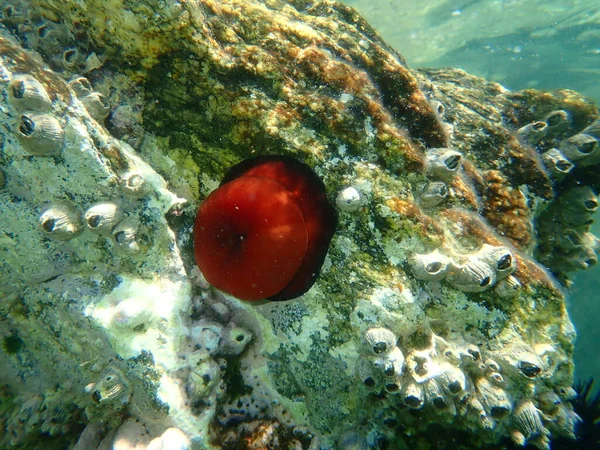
(439, 311)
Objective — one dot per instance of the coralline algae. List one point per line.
(439, 311)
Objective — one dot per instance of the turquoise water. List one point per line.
(520, 44)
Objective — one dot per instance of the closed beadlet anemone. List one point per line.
(265, 231)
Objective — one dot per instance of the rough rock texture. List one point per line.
(434, 316)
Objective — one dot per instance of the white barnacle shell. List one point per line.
(581, 258)
(533, 132)
(472, 352)
(368, 374)
(234, 339)
(379, 341)
(491, 365)
(413, 395)
(102, 217)
(569, 238)
(438, 107)
(583, 149)
(430, 266)
(549, 402)
(494, 399)
(442, 163)
(96, 105)
(435, 395)
(113, 387)
(134, 184)
(393, 385)
(71, 57)
(566, 392)
(204, 376)
(350, 199)
(577, 205)
(60, 221)
(474, 275)
(526, 419)
(28, 94)
(81, 86)
(566, 419)
(206, 335)
(40, 134)
(557, 163)
(495, 378)
(508, 287)
(500, 258)
(434, 194)
(453, 380)
(392, 364)
(124, 234)
(557, 121)
(476, 409)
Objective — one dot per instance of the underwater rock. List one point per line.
(433, 307)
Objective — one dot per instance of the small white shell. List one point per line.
(549, 402)
(134, 184)
(81, 86)
(234, 339)
(577, 205)
(557, 163)
(71, 57)
(434, 395)
(379, 341)
(40, 134)
(438, 107)
(583, 149)
(413, 395)
(526, 418)
(27, 93)
(430, 266)
(350, 199)
(206, 336)
(491, 365)
(472, 276)
(203, 377)
(124, 234)
(102, 217)
(392, 364)
(434, 194)
(500, 258)
(508, 287)
(557, 121)
(96, 105)
(368, 374)
(393, 386)
(495, 378)
(453, 380)
(494, 399)
(60, 221)
(113, 387)
(533, 133)
(442, 163)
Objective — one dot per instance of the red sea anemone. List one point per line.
(265, 231)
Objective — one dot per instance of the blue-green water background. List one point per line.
(520, 44)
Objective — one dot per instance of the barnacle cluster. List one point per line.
(474, 272)
(434, 313)
(459, 383)
(563, 224)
